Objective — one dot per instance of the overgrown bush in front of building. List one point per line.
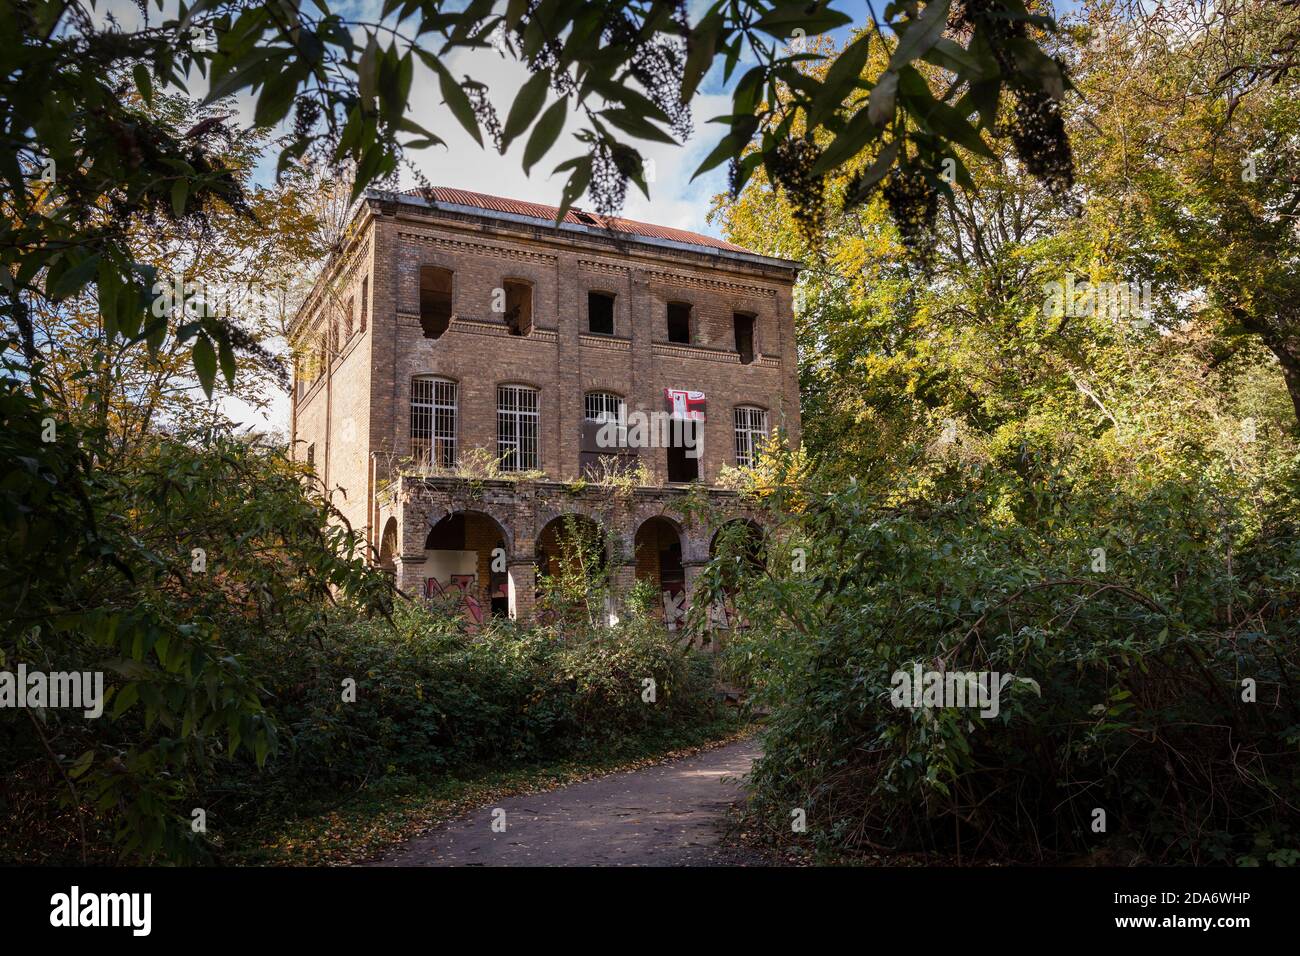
(1150, 628)
(431, 697)
(225, 602)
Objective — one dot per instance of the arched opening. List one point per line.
(388, 546)
(572, 567)
(465, 564)
(740, 545)
(659, 563)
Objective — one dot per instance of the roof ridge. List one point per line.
(574, 215)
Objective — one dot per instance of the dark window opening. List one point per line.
(435, 300)
(684, 452)
(519, 307)
(744, 326)
(600, 313)
(311, 455)
(679, 322)
(365, 301)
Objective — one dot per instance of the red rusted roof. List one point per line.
(578, 217)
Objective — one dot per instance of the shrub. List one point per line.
(1129, 690)
(431, 698)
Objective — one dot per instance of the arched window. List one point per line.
(751, 429)
(433, 421)
(604, 407)
(517, 427)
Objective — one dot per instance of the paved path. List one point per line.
(666, 815)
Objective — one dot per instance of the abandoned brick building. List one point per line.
(456, 329)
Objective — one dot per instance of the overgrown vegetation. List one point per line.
(227, 683)
(999, 477)
(1160, 690)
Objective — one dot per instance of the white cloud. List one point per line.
(462, 163)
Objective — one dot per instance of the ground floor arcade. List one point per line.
(493, 544)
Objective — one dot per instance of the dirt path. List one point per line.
(667, 815)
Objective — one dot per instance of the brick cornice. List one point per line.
(479, 248)
(717, 285)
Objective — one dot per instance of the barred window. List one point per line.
(433, 421)
(604, 407)
(751, 429)
(517, 427)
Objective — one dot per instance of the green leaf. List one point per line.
(125, 699)
(75, 277)
(226, 354)
(784, 20)
(638, 126)
(544, 134)
(880, 108)
(841, 78)
(453, 94)
(276, 97)
(143, 82)
(701, 47)
(528, 103)
(921, 34)
(579, 179)
(180, 192)
(732, 145)
(853, 139)
(205, 363)
(956, 58)
(82, 764)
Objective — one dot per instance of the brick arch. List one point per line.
(547, 542)
(478, 532)
(388, 545)
(601, 512)
(502, 517)
(652, 538)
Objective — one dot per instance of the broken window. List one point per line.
(519, 307)
(600, 313)
(435, 300)
(744, 326)
(684, 451)
(605, 450)
(679, 322)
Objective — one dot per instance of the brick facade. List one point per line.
(352, 392)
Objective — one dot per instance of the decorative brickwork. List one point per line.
(357, 411)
